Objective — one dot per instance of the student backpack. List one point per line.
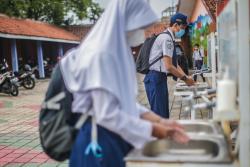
(142, 62)
(58, 126)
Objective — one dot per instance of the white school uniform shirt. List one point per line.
(101, 71)
(163, 45)
(198, 55)
(108, 114)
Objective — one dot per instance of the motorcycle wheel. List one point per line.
(29, 83)
(14, 90)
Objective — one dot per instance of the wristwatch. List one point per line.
(184, 78)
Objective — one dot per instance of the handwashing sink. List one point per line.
(184, 87)
(200, 149)
(201, 127)
(207, 145)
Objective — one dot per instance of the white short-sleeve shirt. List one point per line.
(199, 54)
(163, 45)
(110, 115)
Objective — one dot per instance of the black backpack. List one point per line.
(142, 62)
(58, 126)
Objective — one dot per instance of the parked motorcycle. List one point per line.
(47, 70)
(9, 84)
(4, 66)
(26, 78)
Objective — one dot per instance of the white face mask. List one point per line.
(135, 37)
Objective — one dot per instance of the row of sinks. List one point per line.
(183, 86)
(207, 145)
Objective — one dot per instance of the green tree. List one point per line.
(51, 11)
(94, 12)
(13, 7)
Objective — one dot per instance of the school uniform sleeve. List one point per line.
(142, 109)
(167, 46)
(109, 114)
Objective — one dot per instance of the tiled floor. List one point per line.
(19, 138)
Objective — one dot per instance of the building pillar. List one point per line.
(60, 50)
(14, 55)
(40, 59)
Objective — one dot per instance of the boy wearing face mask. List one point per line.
(156, 80)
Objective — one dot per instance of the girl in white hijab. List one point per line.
(101, 75)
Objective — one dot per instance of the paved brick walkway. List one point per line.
(19, 139)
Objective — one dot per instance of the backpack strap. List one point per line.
(81, 121)
(159, 58)
(52, 103)
(167, 32)
(83, 118)
(174, 58)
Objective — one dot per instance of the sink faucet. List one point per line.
(198, 72)
(192, 101)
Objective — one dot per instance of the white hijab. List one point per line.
(104, 59)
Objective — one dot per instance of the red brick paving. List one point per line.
(33, 123)
(1, 105)
(32, 107)
(39, 160)
(20, 151)
(14, 155)
(21, 160)
(6, 151)
(2, 155)
(19, 137)
(21, 155)
(3, 163)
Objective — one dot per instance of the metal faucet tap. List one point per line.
(192, 103)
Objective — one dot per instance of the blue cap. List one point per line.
(179, 18)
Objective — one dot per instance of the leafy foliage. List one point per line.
(52, 11)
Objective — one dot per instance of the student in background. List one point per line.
(182, 59)
(198, 57)
(156, 80)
